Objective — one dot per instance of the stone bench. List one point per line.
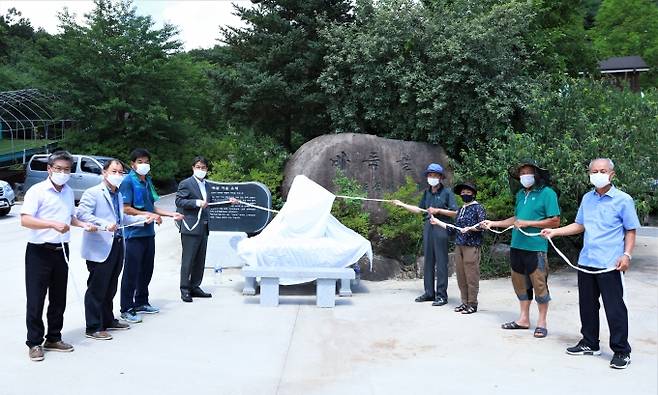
(269, 282)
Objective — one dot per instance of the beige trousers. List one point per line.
(467, 267)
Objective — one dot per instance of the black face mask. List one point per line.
(467, 198)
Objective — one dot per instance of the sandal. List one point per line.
(460, 308)
(470, 309)
(540, 332)
(513, 325)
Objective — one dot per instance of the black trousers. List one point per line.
(137, 272)
(435, 247)
(46, 271)
(609, 287)
(193, 260)
(101, 288)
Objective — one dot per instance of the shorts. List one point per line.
(530, 272)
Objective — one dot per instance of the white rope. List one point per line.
(560, 253)
(469, 228)
(198, 216)
(258, 207)
(71, 276)
(378, 200)
(362, 198)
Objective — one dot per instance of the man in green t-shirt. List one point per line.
(536, 207)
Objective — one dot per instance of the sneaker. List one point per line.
(99, 335)
(131, 317)
(147, 309)
(620, 360)
(117, 326)
(57, 346)
(582, 349)
(439, 302)
(36, 353)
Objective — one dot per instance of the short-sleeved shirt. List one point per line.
(605, 218)
(535, 205)
(128, 192)
(43, 201)
(443, 198)
(469, 215)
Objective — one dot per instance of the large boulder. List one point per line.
(379, 164)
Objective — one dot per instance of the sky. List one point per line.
(198, 21)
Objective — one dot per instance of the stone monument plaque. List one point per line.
(239, 217)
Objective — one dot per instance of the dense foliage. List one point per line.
(431, 74)
(568, 128)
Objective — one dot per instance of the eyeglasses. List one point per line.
(58, 169)
(201, 168)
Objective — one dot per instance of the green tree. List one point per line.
(449, 73)
(128, 85)
(557, 37)
(23, 52)
(629, 27)
(566, 129)
(266, 75)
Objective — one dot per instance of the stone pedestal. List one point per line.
(222, 250)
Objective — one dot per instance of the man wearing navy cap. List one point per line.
(440, 202)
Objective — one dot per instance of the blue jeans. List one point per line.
(137, 272)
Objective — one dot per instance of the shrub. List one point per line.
(240, 156)
(566, 129)
(401, 234)
(350, 212)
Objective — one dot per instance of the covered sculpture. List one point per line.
(305, 234)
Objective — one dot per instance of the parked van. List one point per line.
(85, 172)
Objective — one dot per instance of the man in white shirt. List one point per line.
(48, 212)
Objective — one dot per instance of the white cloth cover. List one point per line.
(305, 234)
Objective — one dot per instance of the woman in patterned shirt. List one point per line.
(468, 245)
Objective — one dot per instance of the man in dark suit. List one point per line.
(192, 200)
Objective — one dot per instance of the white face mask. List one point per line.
(527, 180)
(115, 179)
(599, 180)
(200, 174)
(433, 181)
(143, 169)
(60, 178)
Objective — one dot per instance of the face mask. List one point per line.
(60, 178)
(467, 198)
(527, 180)
(115, 179)
(143, 169)
(433, 181)
(200, 174)
(599, 180)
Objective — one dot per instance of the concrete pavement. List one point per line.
(377, 342)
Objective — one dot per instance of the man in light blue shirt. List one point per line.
(609, 220)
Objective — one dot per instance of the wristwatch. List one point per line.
(630, 257)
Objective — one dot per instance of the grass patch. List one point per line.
(19, 145)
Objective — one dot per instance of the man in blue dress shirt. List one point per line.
(609, 220)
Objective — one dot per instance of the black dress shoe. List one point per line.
(198, 293)
(439, 302)
(424, 298)
(186, 297)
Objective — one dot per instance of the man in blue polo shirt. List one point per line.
(609, 220)
(139, 197)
